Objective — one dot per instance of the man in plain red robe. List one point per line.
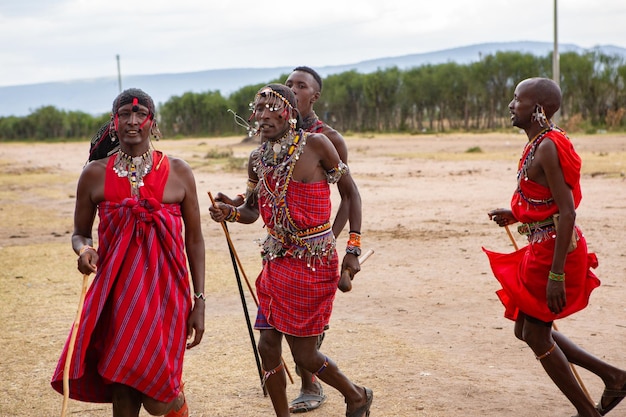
(550, 278)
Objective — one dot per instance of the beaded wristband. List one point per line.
(556, 277)
(199, 295)
(234, 215)
(85, 249)
(354, 239)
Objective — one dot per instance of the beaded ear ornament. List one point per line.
(539, 116)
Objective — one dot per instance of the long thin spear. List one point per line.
(70, 346)
(571, 365)
(237, 261)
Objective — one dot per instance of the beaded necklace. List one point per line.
(275, 154)
(134, 168)
(528, 155)
(312, 123)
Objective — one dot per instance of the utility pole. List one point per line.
(556, 71)
(119, 72)
(556, 76)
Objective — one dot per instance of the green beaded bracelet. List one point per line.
(556, 277)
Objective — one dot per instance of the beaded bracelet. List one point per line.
(556, 277)
(354, 239)
(234, 215)
(199, 295)
(85, 249)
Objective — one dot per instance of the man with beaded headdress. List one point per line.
(288, 187)
(551, 277)
(306, 85)
(138, 311)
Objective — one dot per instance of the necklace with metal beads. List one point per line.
(279, 149)
(134, 168)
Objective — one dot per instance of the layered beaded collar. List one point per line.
(275, 152)
(135, 168)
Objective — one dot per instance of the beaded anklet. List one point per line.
(268, 374)
(323, 367)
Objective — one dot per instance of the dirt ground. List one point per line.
(422, 326)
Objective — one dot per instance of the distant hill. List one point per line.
(95, 96)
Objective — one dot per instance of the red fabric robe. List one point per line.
(523, 274)
(133, 327)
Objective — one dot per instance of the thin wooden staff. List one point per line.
(70, 346)
(571, 365)
(345, 282)
(234, 255)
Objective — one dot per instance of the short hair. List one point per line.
(313, 73)
(127, 96)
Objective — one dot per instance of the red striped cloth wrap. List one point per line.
(133, 329)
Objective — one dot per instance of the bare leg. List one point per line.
(539, 339)
(613, 378)
(307, 356)
(126, 401)
(309, 383)
(276, 381)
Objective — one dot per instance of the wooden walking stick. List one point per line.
(70, 346)
(233, 254)
(345, 282)
(571, 365)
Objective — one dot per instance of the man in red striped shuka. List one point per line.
(289, 188)
(551, 277)
(138, 311)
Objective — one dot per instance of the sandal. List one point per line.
(616, 395)
(308, 402)
(364, 410)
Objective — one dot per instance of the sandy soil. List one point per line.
(422, 326)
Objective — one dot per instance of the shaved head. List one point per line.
(546, 92)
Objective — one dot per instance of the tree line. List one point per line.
(428, 98)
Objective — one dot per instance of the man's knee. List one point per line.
(155, 408)
(269, 347)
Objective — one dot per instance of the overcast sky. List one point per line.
(55, 40)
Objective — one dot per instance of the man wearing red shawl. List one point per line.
(138, 312)
(551, 277)
(289, 188)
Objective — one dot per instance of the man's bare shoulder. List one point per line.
(96, 166)
(178, 163)
(316, 138)
(334, 136)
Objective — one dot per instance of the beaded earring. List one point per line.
(112, 132)
(539, 116)
(155, 131)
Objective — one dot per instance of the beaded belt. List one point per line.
(530, 228)
(538, 231)
(308, 233)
